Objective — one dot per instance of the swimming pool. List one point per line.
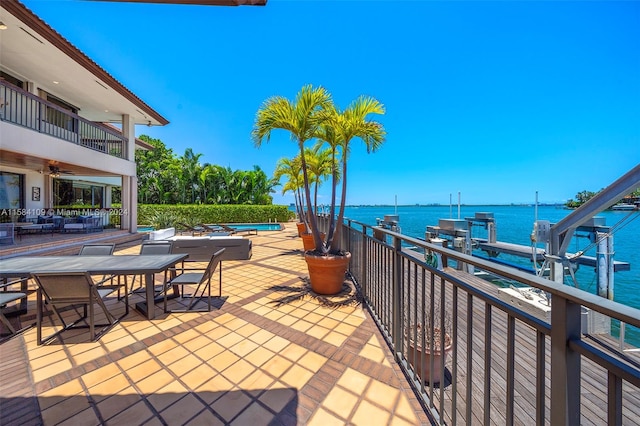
(259, 226)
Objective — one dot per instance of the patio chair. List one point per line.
(7, 297)
(202, 280)
(151, 248)
(74, 288)
(97, 250)
(100, 250)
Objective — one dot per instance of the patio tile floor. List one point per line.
(248, 362)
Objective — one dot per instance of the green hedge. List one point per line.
(163, 215)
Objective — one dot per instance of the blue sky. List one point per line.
(496, 100)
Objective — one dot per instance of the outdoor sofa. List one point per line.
(237, 247)
(6, 233)
(83, 224)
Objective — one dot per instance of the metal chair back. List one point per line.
(73, 288)
(161, 247)
(97, 250)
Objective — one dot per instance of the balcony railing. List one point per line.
(505, 366)
(25, 109)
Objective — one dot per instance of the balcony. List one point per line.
(27, 110)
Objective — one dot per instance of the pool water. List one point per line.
(258, 226)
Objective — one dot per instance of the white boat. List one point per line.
(624, 206)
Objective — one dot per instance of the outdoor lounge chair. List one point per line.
(233, 230)
(202, 280)
(195, 230)
(216, 231)
(74, 288)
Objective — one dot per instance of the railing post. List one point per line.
(364, 276)
(397, 297)
(565, 363)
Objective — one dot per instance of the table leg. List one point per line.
(150, 290)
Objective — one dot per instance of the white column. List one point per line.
(108, 196)
(133, 212)
(129, 183)
(129, 132)
(126, 202)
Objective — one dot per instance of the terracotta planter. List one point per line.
(423, 369)
(307, 240)
(326, 273)
(302, 228)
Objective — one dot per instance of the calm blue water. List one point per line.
(514, 225)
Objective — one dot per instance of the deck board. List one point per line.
(594, 378)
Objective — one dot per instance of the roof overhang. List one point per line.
(200, 2)
(32, 50)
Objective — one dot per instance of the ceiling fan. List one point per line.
(55, 171)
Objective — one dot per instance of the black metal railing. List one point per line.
(504, 365)
(24, 109)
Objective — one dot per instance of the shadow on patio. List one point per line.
(249, 361)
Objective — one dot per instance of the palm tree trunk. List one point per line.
(335, 244)
(334, 185)
(307, 191)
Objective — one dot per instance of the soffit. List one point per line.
(38, 164)
(200, 2)
(33, 51)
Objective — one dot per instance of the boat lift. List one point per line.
(560, 234)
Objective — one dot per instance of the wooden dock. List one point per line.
(594, 378)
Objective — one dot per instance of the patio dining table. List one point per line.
(148, 266)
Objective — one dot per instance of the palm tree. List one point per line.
(291, 168)
(191, 172)
(301, 118)
(349, 124)
(339, 129)
(319, 163)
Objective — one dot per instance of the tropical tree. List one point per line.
(165, 178)
(150, 164)
(349, 124)
(320, 164)
(581, 198)
(291, 168)
(313, 115)
(191, 169)
(301, 118)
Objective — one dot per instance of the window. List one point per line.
(74, 194)
(59, 118)
(11, 191)
(11, 79)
